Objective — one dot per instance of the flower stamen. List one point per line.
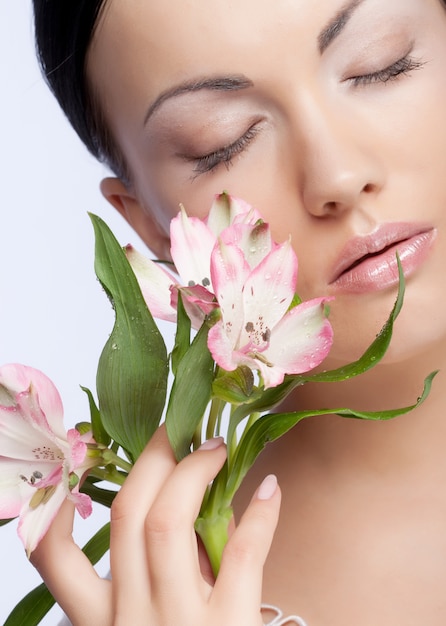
(41, 496)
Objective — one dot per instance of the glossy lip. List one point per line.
(368, 263)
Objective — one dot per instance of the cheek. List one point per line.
(257, 176)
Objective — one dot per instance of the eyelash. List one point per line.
(225, 155)
(403, 66)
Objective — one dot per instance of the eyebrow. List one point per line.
(336, 25)
(218, 83)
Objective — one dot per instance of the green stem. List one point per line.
(111, 458)
(110, 475)
(232, 444)
(213, 531)
(251, 420)
(215, 411)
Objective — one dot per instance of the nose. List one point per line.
(340, 166)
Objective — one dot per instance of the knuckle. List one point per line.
(119, 508)
(241, 552)
(162, 522)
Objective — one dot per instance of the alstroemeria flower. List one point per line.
(254, 281)
(40, 463)
(230, 262)
(192, 242)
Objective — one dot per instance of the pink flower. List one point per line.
(230, 262)
(40, 463)
(192, 243)
(254, 281)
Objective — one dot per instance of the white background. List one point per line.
(53, 314)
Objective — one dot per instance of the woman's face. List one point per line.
(327, 115)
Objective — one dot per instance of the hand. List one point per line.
(158, 576)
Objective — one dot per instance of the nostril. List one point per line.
(368, 188)
(329, 207)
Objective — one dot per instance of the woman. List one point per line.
(329, 118)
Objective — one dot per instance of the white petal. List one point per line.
(155, 284)
(20, 440)
(269, 290)
(219, 214)
(34, 523)
(253, 239)
(229, 271)
(191, 246)
(302, 339)
(18, 379)
(14, 490)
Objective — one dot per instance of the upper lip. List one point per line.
(383, 237)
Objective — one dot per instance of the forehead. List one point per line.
(168, 41)
(142, 48)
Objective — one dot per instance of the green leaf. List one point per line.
(295, 301)
(3, 522)
(36, 604)
(133, 367)
(100, 435)
(191, 392)
(273, 425)
(182, 335)
(97, 494)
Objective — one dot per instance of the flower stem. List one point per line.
(110, 475)
(215, 412)
(111, 458)
(213, 531)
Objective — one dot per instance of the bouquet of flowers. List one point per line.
(244, 340)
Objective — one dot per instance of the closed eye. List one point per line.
(394, 71)
(226, 154)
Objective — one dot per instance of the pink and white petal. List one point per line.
(253, 239)
(229, 272)
(53, 477)
(221, 346)
(78, 448)
(155, 284)
(28, 406)
(200, 296)
(198, 302)
(272, 375)
(302, 339)
(34, 523)
(19, 440)
(242, 212)
(270, 288)
(226, 210)
(18, 379)
(191, 246)
(13, 489)
(82, 502)
(219, 215)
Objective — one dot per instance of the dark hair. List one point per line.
(63, 31)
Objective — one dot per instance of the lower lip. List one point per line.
(381, 271)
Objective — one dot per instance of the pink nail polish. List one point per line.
(212, 444)
(268, 488)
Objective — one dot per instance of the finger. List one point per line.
(245, 553)
(130, 575)
(171, 541)
(69, 575)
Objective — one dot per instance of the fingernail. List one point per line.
(268, 488)
(212, 444)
